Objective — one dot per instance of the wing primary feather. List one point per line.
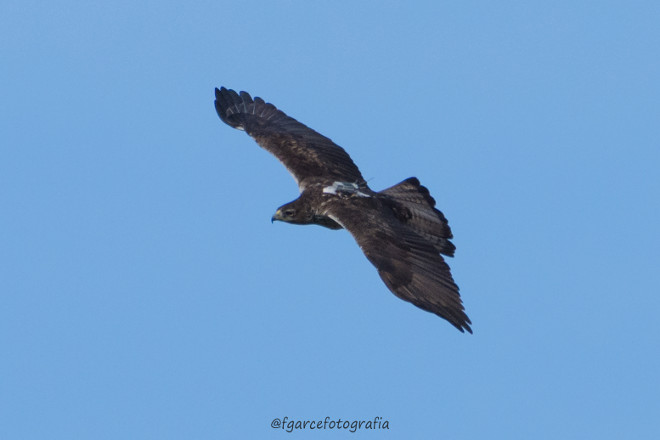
(304, 152)
(409, 265)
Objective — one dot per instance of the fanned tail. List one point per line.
(414, 206)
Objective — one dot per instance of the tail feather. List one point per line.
(415, 207)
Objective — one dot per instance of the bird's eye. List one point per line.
(289, 213)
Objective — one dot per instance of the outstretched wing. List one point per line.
(304, 152)
(410, 265)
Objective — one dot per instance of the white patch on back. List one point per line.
(330, 189)
(344, 187)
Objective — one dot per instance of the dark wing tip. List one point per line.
(464, 326)
(240, 110)
(456, 316)
(229, 103)
(222, 103)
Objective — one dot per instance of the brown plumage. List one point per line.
(398, 229)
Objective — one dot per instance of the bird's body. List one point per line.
(398, 229)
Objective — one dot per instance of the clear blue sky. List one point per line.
(144, 292)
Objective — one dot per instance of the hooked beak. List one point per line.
(277, 216)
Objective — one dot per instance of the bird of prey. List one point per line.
(398, 229)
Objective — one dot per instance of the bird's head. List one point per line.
(294, 212)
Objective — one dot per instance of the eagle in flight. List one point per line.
(398, 229)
